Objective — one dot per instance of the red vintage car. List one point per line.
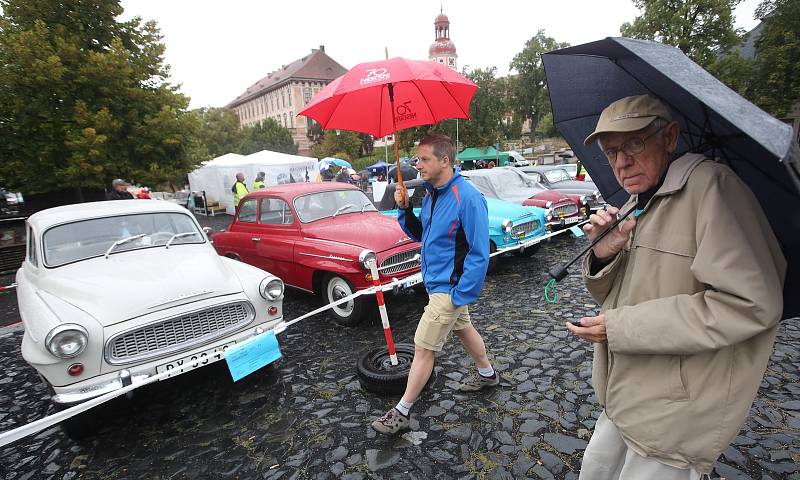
(319, 237)
(510, 184)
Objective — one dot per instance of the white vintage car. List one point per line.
(111, 293)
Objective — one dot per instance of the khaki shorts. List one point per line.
(440, 318)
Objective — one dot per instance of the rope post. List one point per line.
(387, 331)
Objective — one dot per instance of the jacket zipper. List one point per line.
(628, 259)
(427, 231)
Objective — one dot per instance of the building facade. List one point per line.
(284, 92)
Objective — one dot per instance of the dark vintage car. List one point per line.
(556, 177)
(513, 185)
(320, 237)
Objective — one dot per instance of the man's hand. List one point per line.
(401, 196)
(593, 329)
(612, 243)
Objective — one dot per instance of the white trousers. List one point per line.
(607, 457)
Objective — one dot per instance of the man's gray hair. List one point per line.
(441, 145)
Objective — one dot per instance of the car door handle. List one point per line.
(255, 239)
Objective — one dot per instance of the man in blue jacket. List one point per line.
(455, 255)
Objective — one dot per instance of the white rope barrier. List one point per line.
(43, 423)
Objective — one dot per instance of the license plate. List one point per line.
(183, 365)
(412, 282)
(572, 219)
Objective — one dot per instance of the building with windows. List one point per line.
(443, 50)
(284, 92)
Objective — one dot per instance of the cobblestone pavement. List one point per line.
(308, 418)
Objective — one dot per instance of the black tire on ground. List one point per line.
(347, 314)
(492, 260)
(377, 375)
(530, 251)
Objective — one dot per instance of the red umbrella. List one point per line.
(419, 92)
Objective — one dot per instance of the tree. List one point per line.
(529, 87)
(486, 110)
(700, 28)
(338, 142)
(84, 99)
(267, 135)
(219, 130)
(776, 79)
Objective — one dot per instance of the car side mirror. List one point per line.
(209, 232)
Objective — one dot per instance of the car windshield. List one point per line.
(557, 175)
(318, 205)
(85, 239)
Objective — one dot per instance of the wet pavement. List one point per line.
(308, 417)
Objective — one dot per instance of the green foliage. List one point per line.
(529, 88)
(338, 142)
(546, 128)
(776, 79)
(84, 99)
(700, 28)
(267, 135)
(219, 130)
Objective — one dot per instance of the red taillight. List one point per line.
(75, 369)
(273, 310)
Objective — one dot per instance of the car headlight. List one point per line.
(507, 225)
(271, 288)
(67, 340)
(367, 256)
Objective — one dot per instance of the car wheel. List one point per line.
(530, 251)
(492, 260)
(346, 314)
(376, 373)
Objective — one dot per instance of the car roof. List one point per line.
(110, 208)
(292, 190)
(541, 168)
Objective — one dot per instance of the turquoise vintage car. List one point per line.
(509, 223)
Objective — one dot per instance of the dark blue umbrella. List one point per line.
(715, 121)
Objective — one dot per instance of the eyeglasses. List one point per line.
(632, 146)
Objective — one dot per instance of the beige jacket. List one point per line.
(692, 306)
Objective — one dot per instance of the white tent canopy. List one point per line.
(216, 177)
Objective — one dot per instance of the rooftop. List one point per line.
(315, 66)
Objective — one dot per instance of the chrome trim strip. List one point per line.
(328, 257)
(182, 347)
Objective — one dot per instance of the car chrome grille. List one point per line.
(523, 229)
(565, 209)
(401, 261)
(178, 333)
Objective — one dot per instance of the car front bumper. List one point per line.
(90, 388)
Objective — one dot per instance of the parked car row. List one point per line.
(509, 224)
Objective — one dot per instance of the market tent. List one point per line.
(378, 168)
(489, 153)
(216, 177)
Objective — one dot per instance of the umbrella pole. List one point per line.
(394, 129)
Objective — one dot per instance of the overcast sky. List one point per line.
(217, 49)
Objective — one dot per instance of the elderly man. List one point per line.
(119, 190)
(691, 294)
